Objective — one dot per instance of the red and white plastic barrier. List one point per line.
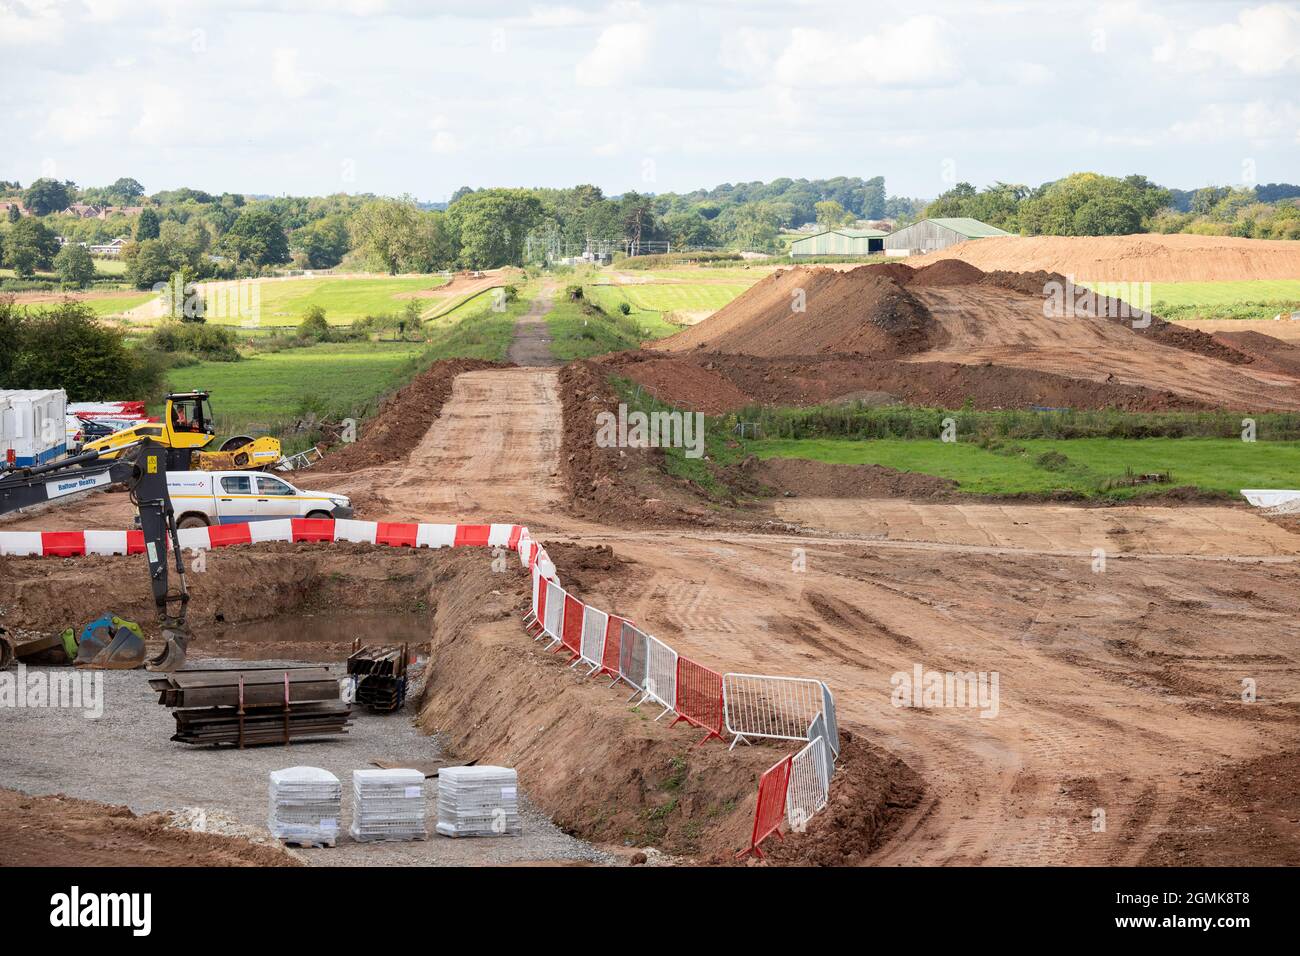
(699, 698)
(770, 810)
(65, 544)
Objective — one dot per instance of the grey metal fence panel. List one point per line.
(661, 674)
(593, 635)
(632, 656)
(818, 729)
(832, 724)
(809, 788)
(553, 619)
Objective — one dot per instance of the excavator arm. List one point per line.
(142, 469)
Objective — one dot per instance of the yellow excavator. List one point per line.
(187, 423)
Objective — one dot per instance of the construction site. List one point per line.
(752, 668)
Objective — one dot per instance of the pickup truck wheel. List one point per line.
(319, 514)
(192, 521)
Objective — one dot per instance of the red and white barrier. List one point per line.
(68, 544)
(699, 698)
(64, 544)
(770, 810)
(613, 642)
(571, 626)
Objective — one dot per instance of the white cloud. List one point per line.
(746, 51)
(85, 117)
(917, 52)
(1264, 40)
(289, 76)
(1254, 124)
(444, 141)
(30, 21)
(621, 49)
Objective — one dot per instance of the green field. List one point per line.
(116, 304)
(1083, 466)
(263, 393)
(667, 297)
(575, 334)
(283, 301)
(1243, 299)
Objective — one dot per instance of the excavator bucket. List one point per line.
(172, 657)
(115, 647)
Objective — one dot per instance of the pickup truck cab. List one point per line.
(202, 498)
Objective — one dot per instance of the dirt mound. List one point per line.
(871, 793)
(1245, 815)
(946, 272)
(811, 311)
(1138, 258)
(403, 418)
(1266, 351)
(585, 567)
(63, 831)
(809, 380)
(601, 770)
(618, 485)
(819, 479)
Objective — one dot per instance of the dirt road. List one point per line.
(532, 341)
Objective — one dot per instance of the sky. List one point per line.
(311, 97)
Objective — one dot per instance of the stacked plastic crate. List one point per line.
(478, 801)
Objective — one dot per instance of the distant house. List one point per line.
(931, 235)
(839, 242)
(110, 249)
(7, 204)
(89, 211)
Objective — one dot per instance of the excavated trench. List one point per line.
(602, 769)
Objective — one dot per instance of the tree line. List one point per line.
(1088, 204)
(228, 235)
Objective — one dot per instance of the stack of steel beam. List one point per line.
(253, 705)
(380, 674)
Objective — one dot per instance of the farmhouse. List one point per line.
(839, 242)
(112, 249)
(929, 235)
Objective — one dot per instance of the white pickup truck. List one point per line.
(202, 498)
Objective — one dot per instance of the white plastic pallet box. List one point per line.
(305, 805)
(33, 425)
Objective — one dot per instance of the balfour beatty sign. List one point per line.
(68, 486)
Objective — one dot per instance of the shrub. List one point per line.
(216, 343)
(314, 325)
